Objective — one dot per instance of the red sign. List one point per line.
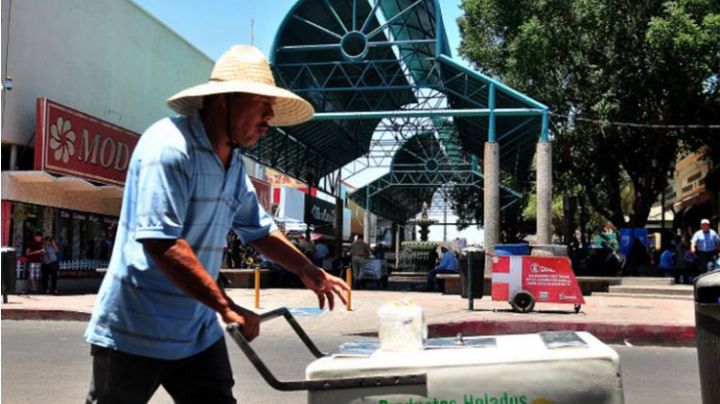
(548, 279)
(264, 193)
(70, 142)
(6, 221)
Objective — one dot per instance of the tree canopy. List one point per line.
(598, 63)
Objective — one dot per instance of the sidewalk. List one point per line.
(612, 319)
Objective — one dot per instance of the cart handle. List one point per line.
(313, 385)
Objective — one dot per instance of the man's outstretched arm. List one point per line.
(281, 251)
(177, 261)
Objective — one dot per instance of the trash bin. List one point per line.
(8, 271)
(512, 249)
(707, 333)
(478, 278)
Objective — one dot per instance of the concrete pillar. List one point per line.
(397, 245)
(491, 201)
(366, 226)
(544, 192)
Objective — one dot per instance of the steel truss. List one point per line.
(379, 74)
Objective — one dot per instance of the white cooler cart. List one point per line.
(544, 368)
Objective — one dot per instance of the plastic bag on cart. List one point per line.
(402, 326)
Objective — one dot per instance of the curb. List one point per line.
(635, 334)
(55, 315)
(610, 333)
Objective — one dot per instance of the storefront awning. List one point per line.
(65, 183)
(61, 191)
(691, 201)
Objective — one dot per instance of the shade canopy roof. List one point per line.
(385, 87)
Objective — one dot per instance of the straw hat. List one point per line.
(244, 69)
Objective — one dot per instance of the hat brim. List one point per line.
(289, 109)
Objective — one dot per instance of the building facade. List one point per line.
(81, 81)
(691, 198)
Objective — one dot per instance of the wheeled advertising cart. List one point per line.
(523, 280)
(544, 368)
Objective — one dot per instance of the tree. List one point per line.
(645, 61)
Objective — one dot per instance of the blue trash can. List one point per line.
(512, 249)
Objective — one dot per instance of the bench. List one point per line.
(451, 283)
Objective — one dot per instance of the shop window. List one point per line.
(694, 177)
(64, 234)
(26, 220)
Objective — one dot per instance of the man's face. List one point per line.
(250, 115)
(705, 226)
(38, 238)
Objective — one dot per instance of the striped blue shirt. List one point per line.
(176, 188)
(706, 241)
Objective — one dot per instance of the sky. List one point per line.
(213, 26)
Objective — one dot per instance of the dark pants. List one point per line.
(119, 377)
(49, 270)
(686, 274)
(703, 259)
(434, 273)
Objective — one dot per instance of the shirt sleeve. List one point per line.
(695, 238)
(163, 183)
(251, 222)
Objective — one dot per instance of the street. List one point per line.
(48, 361)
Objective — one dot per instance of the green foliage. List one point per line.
(467, 203)
(647, 61)
(530, 211)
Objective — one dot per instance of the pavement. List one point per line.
(613, 319)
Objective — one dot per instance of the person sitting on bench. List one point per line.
(448, 265)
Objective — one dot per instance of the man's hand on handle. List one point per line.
(324, 285)
(248, 321)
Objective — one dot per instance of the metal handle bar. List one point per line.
(283, 311)
(322, 384)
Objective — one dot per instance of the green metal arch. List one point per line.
(354, 96)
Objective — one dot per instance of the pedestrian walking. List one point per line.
(359, 252)
(50, 266)
(34, 254)
(156, 318)
(321, 252)
(705, 244)
(668, 264)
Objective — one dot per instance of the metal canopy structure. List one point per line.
(420, 168)
(387, 93)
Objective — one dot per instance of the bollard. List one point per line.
(257, 288)
(707, 333)
(348, 279)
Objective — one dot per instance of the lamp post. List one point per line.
(7, 85)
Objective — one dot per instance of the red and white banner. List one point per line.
(71, 142)
(548, 279)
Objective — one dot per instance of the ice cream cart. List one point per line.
(544, 368)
